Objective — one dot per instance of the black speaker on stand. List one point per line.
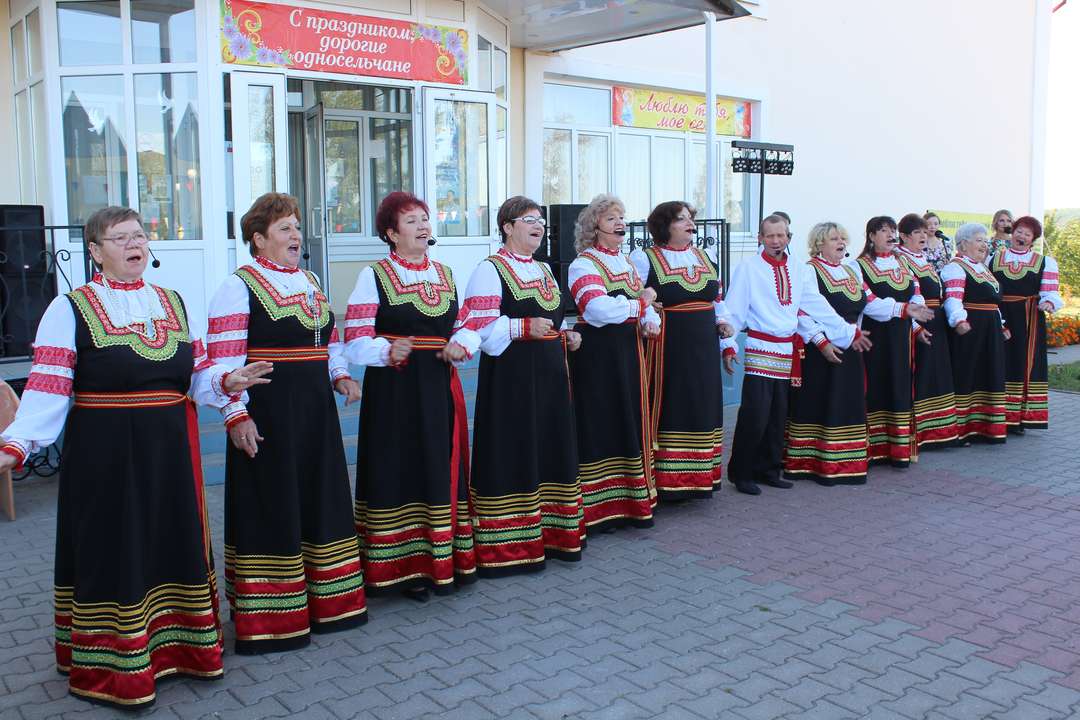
(26, 285)
(557, 249)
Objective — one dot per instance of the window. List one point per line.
(28, 95)
(90, 32)
(577, 143)
(461, 173)
(592, 166)
(131, 133)
(342, 173)
(557, 186)
(95, 144)
(655, 166)
(575, 105)
(163, 31)
(668, 170)
(634, 182)
(389, 159)
(167, 132)
(491, 67)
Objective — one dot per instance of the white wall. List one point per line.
(893, 107)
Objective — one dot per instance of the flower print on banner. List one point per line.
(448, 50)
(241, 40)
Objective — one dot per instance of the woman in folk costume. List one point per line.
(767, 297)
(934, 405)
(978, 338)
(826, 431)
(608, 372)
(292, 562)
(1029, 289)
(135, 593)
(685, 363)
(525, 493)
(889, 375)
(412, 466)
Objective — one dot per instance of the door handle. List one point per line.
(316, 221)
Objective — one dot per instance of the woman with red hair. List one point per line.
(412, 465)
(1029, 289)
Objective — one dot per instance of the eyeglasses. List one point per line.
(138, 238)
(532, 220)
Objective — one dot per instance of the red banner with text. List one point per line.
(284, 36)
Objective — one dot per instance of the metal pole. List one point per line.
(711, 210)
(761, 192)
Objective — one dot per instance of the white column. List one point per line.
(1039, 93)
(710, 119)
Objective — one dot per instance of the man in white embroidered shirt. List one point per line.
(766, 297)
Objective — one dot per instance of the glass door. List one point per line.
(314, 225)
(260, 132)
(460, 148)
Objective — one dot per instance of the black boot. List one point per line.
(778, 483)
(748, 487)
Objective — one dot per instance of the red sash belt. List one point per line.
(933, 302)
(144, 399)
(691, 306)
(797, 351)
(980, 306)
(459, 451)
(293, 354)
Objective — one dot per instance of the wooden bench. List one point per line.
(9, 405)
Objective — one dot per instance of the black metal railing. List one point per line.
(713, 236)
(31, 275)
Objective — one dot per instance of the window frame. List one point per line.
(128, 69)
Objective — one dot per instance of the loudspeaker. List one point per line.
(25, 298)
(558, 245)
(561, 271)
(24, 250)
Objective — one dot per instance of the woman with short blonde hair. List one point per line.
(827, 438)
(608, 372)
(587, 227)
(822, 233)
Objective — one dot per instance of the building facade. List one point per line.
(189, 109)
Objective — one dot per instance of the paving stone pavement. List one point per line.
(947, 592)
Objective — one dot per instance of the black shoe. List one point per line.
(778, 483)
(1017, 429)
(748, 487)
(417, 594)
(825, 482)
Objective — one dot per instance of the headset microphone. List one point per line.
(431, 241)
(693, 231)
(156, 263)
